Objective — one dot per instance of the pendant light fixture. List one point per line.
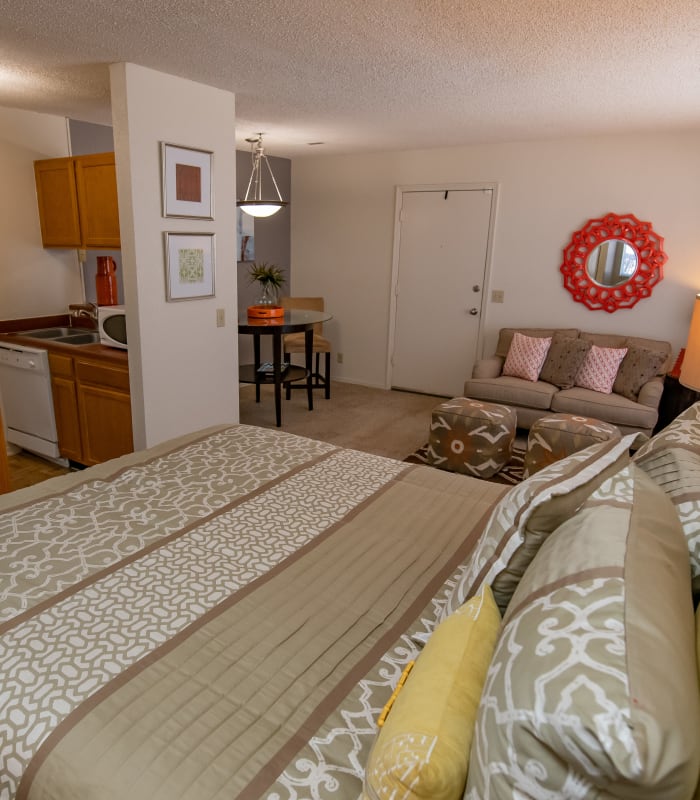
(253, 203)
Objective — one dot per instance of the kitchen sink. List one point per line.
(48, 333)
(63, 335)
(89, 337)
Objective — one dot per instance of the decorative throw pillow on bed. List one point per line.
(638, 367)
(593, 688)
(684, 432)
(599, 368)
(422, 750)
(527, 514)
(676, 470)
(564, 358)
(526, 356)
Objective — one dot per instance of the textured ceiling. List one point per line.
(368, 75)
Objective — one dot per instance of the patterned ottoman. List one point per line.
(471, 436)
(556, 436)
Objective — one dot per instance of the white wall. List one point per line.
(183, 369)
(33, 281)
(343, 224)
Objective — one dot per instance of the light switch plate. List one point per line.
(497, 296)
(220, 317)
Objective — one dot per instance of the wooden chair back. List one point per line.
(305, 304)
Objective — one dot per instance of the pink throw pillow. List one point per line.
(526, 356)
(599, 368)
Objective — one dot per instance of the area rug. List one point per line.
(511, 474)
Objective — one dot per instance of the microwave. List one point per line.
(111, 323)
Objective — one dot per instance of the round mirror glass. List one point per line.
(612, 262)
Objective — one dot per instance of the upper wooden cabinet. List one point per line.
(78, 201)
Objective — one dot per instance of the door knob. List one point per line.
(473, 311)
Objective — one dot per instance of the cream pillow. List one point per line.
(422, 750)
(529, 512)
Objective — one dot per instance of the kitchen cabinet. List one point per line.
(92, 404)
(77, 200)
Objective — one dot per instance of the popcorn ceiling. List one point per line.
(370, 75)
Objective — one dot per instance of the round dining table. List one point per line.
(293, 321)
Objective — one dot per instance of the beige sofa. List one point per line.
(533, 399)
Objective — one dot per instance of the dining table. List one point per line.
(293, 321)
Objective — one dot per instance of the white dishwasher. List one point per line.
(25, 386)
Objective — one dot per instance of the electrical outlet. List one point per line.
(339, 356)
(220, 317)
(497, 296)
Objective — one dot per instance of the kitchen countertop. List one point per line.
(9, 332)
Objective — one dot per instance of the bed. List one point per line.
(222, 616)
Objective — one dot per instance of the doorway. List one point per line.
(442, 249)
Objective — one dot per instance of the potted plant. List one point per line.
(270, 277)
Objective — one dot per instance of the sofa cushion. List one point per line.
(511, 391)
(638, 366)
(658, 345)
(610, 407)
(563, 360)
(528, 513)
(599, 368)
(422, 750)
(593, 688)
(505, 336)
(614, 340)
(526, 355)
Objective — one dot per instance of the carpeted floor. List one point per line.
(384, 422)
(511, 474)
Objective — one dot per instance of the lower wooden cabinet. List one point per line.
(92, 404)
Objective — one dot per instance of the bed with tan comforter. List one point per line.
(222, 616)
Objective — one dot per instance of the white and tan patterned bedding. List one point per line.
(218, 617)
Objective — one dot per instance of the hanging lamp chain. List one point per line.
(257, 157)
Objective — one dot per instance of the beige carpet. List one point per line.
(388, 423)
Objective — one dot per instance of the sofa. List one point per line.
(632, 405)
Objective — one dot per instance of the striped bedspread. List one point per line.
(218, 617)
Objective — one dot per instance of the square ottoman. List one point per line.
(556, 436)
(471, 436)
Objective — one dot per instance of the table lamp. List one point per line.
(690, 369)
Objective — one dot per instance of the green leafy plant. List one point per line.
(266, 274)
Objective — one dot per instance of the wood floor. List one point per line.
(27, 469)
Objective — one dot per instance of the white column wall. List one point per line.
(183, 369)
(343, 226)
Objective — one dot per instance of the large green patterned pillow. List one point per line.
(593, 688)
(528, 513)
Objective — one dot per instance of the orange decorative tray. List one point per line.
(265, 312)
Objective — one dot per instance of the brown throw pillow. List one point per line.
(638, 367)
(564, 358)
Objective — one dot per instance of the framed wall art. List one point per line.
(189, 266)
(187, 182)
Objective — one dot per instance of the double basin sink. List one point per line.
(63, 335)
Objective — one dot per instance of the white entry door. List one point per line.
(439, 284)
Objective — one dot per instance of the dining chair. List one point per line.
(294, 343)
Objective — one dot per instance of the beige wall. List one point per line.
(184, 370)
(342, 235)
(33, 281)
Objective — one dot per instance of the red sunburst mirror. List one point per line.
(613, 262)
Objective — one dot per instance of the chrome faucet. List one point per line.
(78, 310)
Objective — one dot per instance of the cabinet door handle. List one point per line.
(473, 311)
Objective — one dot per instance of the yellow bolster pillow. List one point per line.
(422, 749)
